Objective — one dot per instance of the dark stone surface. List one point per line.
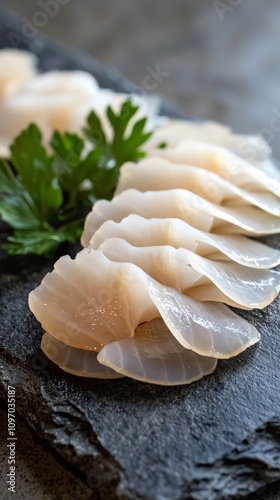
(216, 439)
(50, 478)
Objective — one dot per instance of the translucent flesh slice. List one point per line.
(90, 302)
(191, 322)
(177, 233)
(154, 355)
(49, 100)
(239, 286)
(184, 205)
(17, 66)
(171, 132)
(155, 174)
(75, 361)
(223, 163)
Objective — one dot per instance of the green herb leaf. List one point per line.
(125, 146)
(46, 194)
(39, 241)
(16, 206)
(35, 170)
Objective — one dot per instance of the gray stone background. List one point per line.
(221, 61)
(222, 56)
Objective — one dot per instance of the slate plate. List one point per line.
(218, 438)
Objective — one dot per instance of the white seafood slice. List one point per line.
(184, 205)
(49, 100)
(171, 132)
(154, 355)
(17, 66)
(56, 100)
(177, 233)
(154, 174)
(90, 302)
(222, 162)
(4, 147)
(75, 361)
(182, 269)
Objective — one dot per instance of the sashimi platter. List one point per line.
(170, 215)
(139, 281)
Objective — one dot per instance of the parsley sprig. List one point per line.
(46, 193)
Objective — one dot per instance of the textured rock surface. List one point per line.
(50, 479)
(218, 438)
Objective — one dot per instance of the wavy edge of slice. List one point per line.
(62, 356)
(154, 356)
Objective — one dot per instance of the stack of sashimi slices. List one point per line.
(148, 296)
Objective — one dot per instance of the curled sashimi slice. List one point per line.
(177, 233)
(17, 66)
(184, 205)
(189, 320)
(171, 132)
(49, 100)
(222, 162)
(154, 355)
(182, 269)
(75, 361)
(177, 203)
(91, 301)
(155, 174)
